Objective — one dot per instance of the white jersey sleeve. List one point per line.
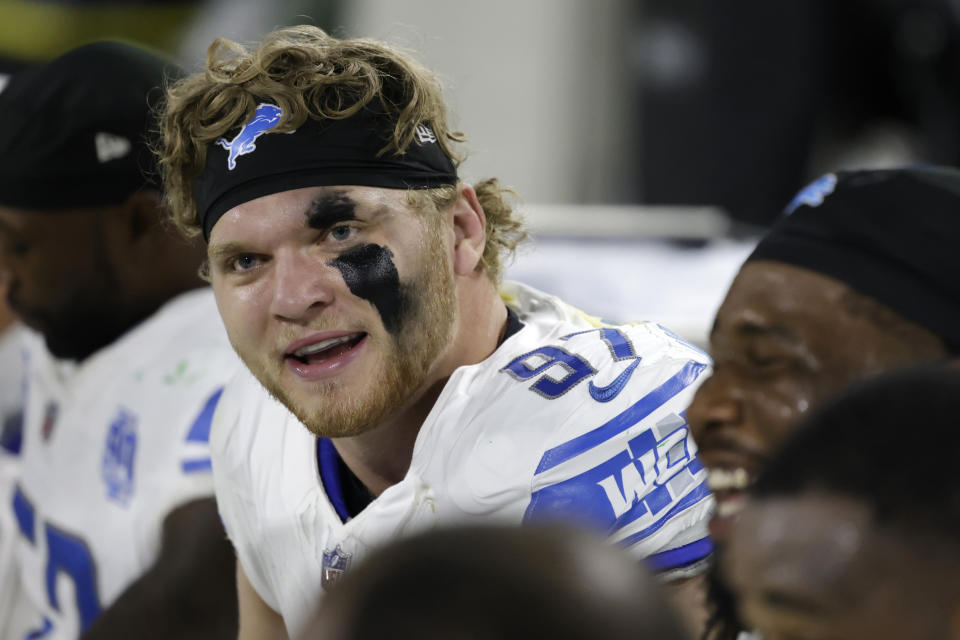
(245, 402)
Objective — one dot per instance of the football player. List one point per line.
(391, 385)
(117, 530)
(851, 530)
(857, 279)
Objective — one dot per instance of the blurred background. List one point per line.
(650, 140)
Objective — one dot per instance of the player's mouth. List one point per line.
(324, 354)
(729, 487)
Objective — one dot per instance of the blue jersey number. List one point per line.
(574, 369)
(67, 554)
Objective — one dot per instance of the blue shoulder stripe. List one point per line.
(681, 556)
(200, 465)
(200, 431)
(634, 414)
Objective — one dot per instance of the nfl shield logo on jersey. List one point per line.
(335, 563)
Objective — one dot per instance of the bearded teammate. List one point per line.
(117, 531)
(357, 278)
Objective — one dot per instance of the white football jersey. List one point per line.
(110, 447)
(11, 434)
(567, 420)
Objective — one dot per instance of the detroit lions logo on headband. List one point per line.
(266, 117)
(813, 194)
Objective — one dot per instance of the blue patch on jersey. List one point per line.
(813, 194)
(266, 117)
(620, 423)
(646, 477)
(119, 455)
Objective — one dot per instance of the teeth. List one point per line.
(310, 349)
(724, 479)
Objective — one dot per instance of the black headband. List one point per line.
(258, 162)
(889, 234)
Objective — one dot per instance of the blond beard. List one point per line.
(408, 358)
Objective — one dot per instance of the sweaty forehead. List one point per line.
(780, 299)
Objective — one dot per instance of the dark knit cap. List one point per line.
(889, 234)
(73, 131)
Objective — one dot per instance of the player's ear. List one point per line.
(133, 221)
(470, 231)
(142, 211)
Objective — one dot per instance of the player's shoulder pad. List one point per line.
(558, 416)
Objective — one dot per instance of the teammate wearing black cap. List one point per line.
(358, 276)
(117, 532)
(858, 278)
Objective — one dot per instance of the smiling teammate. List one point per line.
(357, 278)
(859, 279)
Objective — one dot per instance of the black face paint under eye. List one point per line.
(370, 273)
(330, 209)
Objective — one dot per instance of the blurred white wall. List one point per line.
(533, 83)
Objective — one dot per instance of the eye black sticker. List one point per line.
(370, 274)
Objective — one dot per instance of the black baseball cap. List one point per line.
(890, 234)
(74, 132)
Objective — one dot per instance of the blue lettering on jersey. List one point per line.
(813, 194)
(539, 360)
(266, 117)
(619, 344)
(67, 554)
(647, 477)
(119, 456)
(71, 555)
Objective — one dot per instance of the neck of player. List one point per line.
(381, 456)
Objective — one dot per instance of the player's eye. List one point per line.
(243, 262)
(341, 232)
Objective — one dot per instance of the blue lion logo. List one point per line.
(266, 118)
(813, 194)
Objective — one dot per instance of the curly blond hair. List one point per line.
(310, 74)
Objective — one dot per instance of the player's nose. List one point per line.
(718, 403)
(302, 286)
